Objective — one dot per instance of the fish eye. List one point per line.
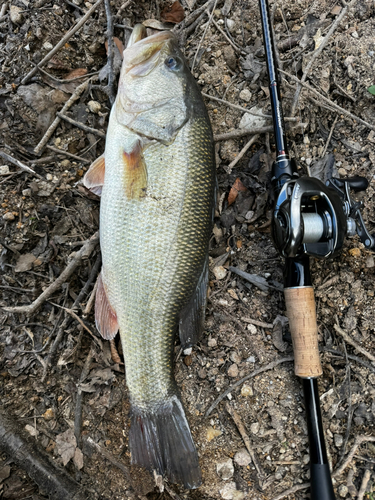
(173, 63)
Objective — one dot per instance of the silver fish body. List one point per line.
(156, 212)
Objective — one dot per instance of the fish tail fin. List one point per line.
(160, 440)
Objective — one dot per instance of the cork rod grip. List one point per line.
(301, 311)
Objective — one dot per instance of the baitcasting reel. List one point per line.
(312, 218)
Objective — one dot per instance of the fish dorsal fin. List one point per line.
(135, 178)
(105, 315)
(94, 178)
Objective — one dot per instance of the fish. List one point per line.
(157, 181)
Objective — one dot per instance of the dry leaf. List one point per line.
(76, 73)
(78, 459)
(235, 189)
(66, 445)
(24, 263)
(118, 44)
(173, 14)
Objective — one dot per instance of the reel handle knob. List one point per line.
(356, 183)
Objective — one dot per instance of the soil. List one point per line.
(46, 217)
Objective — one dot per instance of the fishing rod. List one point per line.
(310, 218)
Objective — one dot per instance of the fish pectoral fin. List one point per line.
(135, 178)
(192, 315)
(105, 315)
(94, 177)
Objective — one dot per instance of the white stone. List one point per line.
(220, 272)
(4, 169)
(47, 46)
(249, 121)
(94, 106)
(225, 469)
(242, 457)
(245, 95)
(231, 25)
(15, 14)
(255, 427)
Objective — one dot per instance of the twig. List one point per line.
(241, 154)
(353, 343)
(69, 103)
(36, 462)
(358, 441)
(80, 125)
(241, 428)
(236, 48)
(171, 493)
(83, 253)
(90, 302)
(255, 322)
(123, 7)
(350, 356)
(78, 409)
(193, 16)
(316, 53)
(19, 164)
(3, 10)
(62, 42)
(109, 457)
(77, 318)
(328, 101)
(270, 366)
(365, 480)
(242, 132)
(81, 295)
(66, 153)
(110, 54)
(245, 110)
(329, 137)
(203, 36)
(292, 490)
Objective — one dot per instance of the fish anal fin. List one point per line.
(135, 173)
(105, 315)
(192, 315)
(94, 177)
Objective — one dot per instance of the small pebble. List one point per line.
(26, 192)
(370, 261)
(94, 106)
(342, 490)
(4, 169)
(212, 342)
(355, 252)
(247, 391)
(252, 329)
(233, 370)
(355, 34)
(225, 469)
(49, 177)
(8, 216)
(245, 95)
(31, 430)
(15, 14)
(235, 357)
(48, 414)
(47, 46)
(338, 439)
(65, 163)
(231, 25)
(212, 433)
(188, 351)
(251, 359)
(254, 428)
(220, 272)
(242, 457)
(202, 373)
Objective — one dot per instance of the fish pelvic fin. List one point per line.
(105, 315)
(135, 173)
(192, 315)
(94, 177)
(160, 439)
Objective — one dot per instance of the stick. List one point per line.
(203, 36)
(80, 125)
(109, 457)
(242, 132)
(15, 443)
(69, 103)
(358, 441)
(329, 137)
(365, 480)
(62, 42)
(353, 343)
(245, 110)
(270, 366)
(110, 55)
(66, 153)
(237, 49)
(20, 165)
(241, 428)
(328, 101)
(292, 490)
(240, 155)
(317, 53)
(78, 409)
(255, 322)
(83, 253)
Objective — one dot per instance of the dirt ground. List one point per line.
(57, 378)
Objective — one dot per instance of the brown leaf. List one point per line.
(235, 189)
(76, 73)
(66, 445)
(173, 14)
(118, 44)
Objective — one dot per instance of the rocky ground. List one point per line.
(58, 381)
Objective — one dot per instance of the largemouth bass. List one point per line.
(157, 183)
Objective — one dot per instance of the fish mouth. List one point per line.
(142, 52)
